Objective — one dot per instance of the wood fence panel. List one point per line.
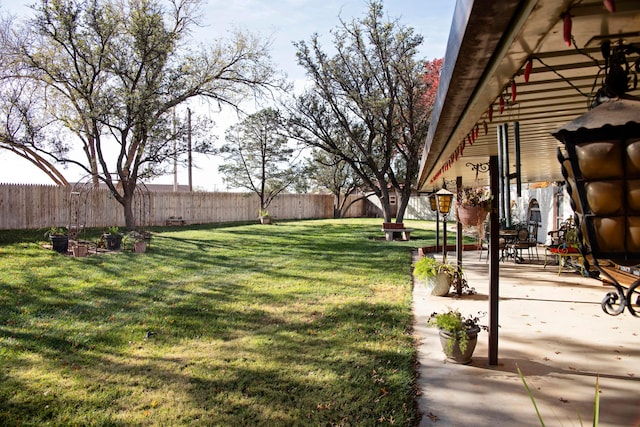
(41, 206)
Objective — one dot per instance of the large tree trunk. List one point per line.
(129, 217)
(405, 195)
(128, 193)
(386, 206)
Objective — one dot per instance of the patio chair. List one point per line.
(533, 238)
(566, 252)
(486, 243)
(520, 244)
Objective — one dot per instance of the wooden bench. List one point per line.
(389, 228)
(174, 221)
(624, 278)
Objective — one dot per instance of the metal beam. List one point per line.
(494, 263)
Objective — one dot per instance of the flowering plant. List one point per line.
(474, 197)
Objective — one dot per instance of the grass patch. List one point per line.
(301, 323)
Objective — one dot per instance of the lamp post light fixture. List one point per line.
(433, 201)
(444, 198)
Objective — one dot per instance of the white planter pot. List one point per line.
(439, 284)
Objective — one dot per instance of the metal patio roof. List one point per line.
(489, 45)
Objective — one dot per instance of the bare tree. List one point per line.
(333, 174)
(112, 73)
(258, 156)
(367, 105)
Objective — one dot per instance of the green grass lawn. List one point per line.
(300, 323)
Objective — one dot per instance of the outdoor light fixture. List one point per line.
(433, 202)
(444, 198)
(601, 165)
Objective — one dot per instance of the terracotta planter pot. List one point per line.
(80, 251)
(471, 215)
(140, 247)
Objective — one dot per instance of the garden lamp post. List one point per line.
(434, 207)
(444, 198)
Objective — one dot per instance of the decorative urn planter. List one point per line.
(439, 284)
(451, 346)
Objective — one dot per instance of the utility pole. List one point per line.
(189, 148)
(175, 154)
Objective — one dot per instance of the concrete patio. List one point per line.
(553, 328)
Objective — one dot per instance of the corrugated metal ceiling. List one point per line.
(481, 61)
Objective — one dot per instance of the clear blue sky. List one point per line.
(285, 21)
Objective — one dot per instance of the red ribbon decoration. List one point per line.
(513, 90)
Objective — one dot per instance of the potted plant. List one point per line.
(136, 241)
(58, 238)
(264, 217)
(458, 334)
(80, 250)
(113, 238)
(435, 275)
(473, 204)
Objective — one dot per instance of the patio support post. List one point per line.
(498, 196)
(516, 146)
(459, 229)
(444, 238)
(494, 264)
(437, 231)
(506, 191)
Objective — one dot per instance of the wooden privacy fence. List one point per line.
(42, 206)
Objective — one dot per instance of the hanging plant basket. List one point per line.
(471, 215)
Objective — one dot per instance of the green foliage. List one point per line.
(258, 157)
(112, 76)
(457, 325)
(307, 323)
(113, 230)
(596, 401)
(55, 231)
(376, 125)
(428, 266)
